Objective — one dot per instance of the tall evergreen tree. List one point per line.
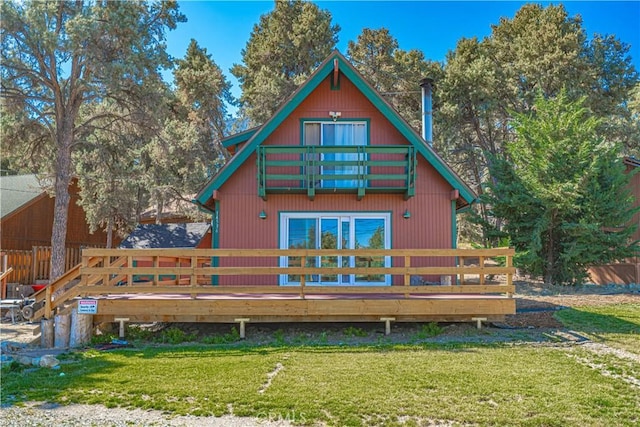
(539, 51)
(58, 57)
(187, 148)
(394, 72)
(563, 194)
(283, 49)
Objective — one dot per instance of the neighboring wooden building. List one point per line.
(26, 223)
(26, 216)
(626, 272)
(336, 167)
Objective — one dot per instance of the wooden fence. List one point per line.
(29, 266)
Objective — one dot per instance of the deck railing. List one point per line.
(190, 271)
(316, 169)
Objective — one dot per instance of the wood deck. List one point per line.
(177, 287)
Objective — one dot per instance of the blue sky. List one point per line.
(434, 27)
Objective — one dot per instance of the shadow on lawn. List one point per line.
(613, 319)
(21, 383)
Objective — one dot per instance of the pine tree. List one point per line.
(60, 57)
(394, 72)
(562, 193)
(283, 49)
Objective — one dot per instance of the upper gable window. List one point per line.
(335, 133)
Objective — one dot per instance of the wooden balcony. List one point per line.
(344, 169)
(175, 285)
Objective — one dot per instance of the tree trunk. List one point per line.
(61, 206)
(109, 233)
(159, 209)
(61, 212)
(550, 274)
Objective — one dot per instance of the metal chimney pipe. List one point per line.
(427, 111)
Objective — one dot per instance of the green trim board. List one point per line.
(239, 138)
(454, 226)
(215, 239)
(324, 70)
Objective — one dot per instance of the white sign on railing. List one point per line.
(88, 306)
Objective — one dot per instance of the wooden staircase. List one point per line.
(58, 297)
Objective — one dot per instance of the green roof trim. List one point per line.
(239, 138)
(296, 99)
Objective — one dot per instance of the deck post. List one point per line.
(407, 276)
(193, 280)
(387, 324)
(129, 275)
(242, 322)
(303, 278)
(48, 309)
(509, 263)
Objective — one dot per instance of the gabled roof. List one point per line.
(156, 236)
(16, 191)
(327, 67)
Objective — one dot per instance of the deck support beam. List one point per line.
(122, 321)
(242, 322)
(387, 324)
(479, 321)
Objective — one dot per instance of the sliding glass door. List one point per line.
(336, 231)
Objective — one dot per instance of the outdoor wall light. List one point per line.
(406, 214)
(334, 115)
(262, 215)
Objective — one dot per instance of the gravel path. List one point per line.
(45, 415)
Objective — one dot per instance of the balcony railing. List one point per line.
(344, 169)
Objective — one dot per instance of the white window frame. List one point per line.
(341, 217)
(346, 183)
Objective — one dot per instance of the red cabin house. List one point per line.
(330, 211)
(336, 167)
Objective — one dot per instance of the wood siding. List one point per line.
(629, 271)
(635, 190)
(241, 227)
(31, 225)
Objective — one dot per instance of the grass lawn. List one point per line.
(497, 384)
(616, 325)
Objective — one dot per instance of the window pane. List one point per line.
(312, 134)
(346, 238)
(329, 240)
(302, 235)
(369, 234)
(312, 138)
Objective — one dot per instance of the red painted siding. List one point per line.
(240, 226)
(32, 224)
